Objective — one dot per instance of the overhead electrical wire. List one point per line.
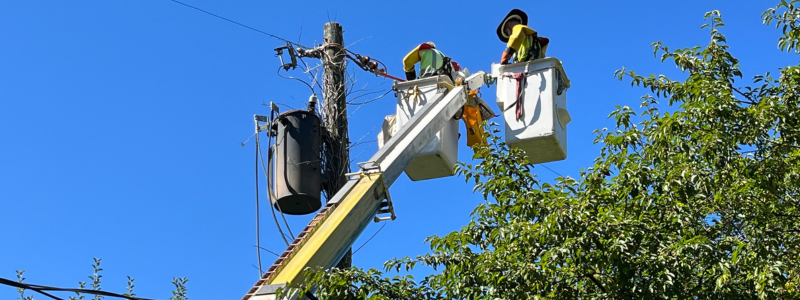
(42, 288)
(371, 100)
(295, 78)
(311, 86)
(270, 251)
(370, 238)
(240, 24)
(270, 193)
(258, 214)
(315, 77)
(551, 170)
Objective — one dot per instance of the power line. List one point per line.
(268, 175)
(258, 212)
(270, 251)
(42, 288)
(240, 24)
(370, 238)
(551, 170)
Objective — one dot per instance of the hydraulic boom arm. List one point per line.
(337, 225)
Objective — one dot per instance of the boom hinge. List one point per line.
(385, 210)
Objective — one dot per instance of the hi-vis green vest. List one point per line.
(430, 60)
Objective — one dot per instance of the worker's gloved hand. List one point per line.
(411, 75)
(506, 57)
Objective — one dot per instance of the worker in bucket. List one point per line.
(431, 61)
(523, 43)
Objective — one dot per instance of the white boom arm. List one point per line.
(337, 225)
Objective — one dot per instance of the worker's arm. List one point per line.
(518, 35)
(408, 63)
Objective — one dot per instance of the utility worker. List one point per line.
(523, 44)
(431, 62)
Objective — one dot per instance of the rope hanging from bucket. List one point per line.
(522, 82)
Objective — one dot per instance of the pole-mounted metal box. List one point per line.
(297, 165)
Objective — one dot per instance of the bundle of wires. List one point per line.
(266, 167)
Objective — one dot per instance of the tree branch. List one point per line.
(751, 102)
(596, 282)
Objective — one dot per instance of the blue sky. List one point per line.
(120, 121)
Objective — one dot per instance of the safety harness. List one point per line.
(532, 51)
(446, 69)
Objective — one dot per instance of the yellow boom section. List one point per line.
(331, 232)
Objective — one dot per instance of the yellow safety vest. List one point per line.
(525, 42)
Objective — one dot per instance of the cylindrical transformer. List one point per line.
(298, 171)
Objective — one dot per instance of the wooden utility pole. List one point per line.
(337, 152)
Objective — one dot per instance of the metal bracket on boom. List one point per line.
(369, 168)
(474, 82)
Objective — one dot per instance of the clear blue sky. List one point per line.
(120, 121)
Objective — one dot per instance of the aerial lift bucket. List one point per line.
(532, 97)
(440, 155)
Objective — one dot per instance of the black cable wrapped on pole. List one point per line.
(336, 142)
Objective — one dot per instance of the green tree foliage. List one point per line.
(699, 203)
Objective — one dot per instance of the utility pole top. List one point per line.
(337, 153)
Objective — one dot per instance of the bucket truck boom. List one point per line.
(365, 197)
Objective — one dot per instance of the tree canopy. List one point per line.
(701, 202)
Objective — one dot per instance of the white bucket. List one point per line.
(440, 155)
(541, 130)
